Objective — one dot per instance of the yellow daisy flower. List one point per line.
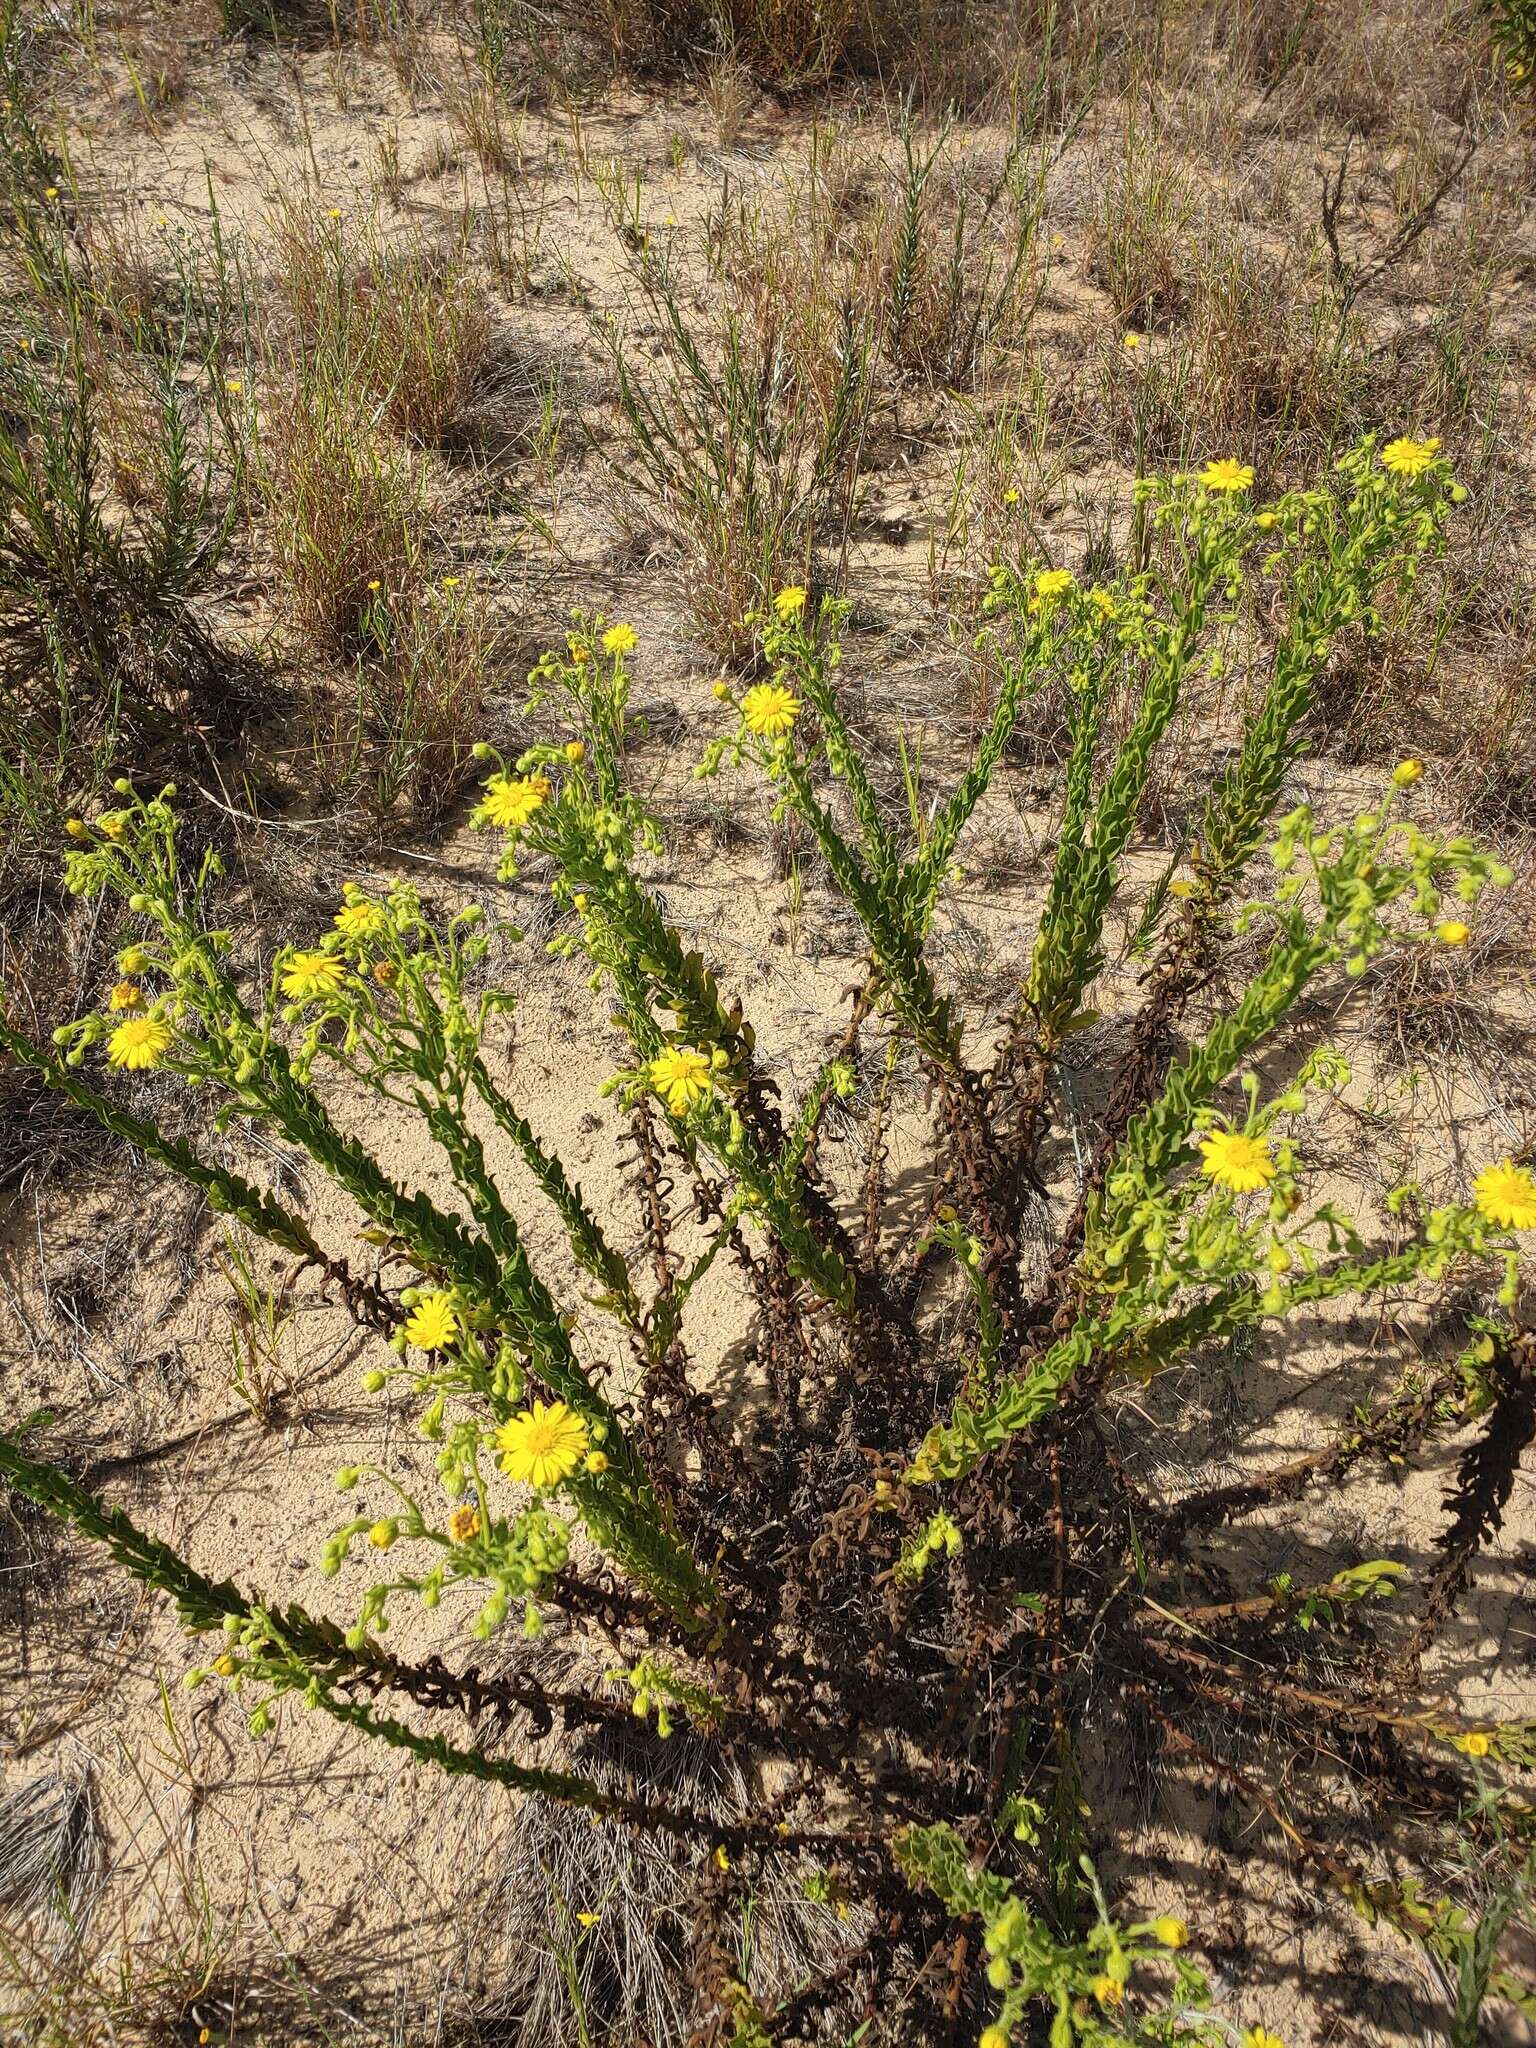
(1476, 1743)
(433, 1323)
(359, 919)
(1406, 457)
(1506, 1195)
(790, 601)
(126, 996)
(1406, 773)
(113, 823)
(620, 639)
(1261, 2037)
(1134, 340)
(1107, 1991)
(770, 710)
(139, 1042)
(682, 1077)
(132, 960)
(1170, 1930)
(511, 800)
(1227, 475)
(1234, 1160)
(576, 751)
(1453, 932)
(543, 1445)
(464, 1524)
(312, 975)
(1053, 582)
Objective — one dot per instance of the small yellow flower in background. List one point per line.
(113, 824)
(225, 1666)
(52, 192)
(1406, 773)
(1476, 1743)
(359, 920)
(1227, 475)
(1010, 496)
(450, 583)
(992, 2037)
(1102, 603)
(464, 1524)
(234, 384)
(1107, 1991)
(682, 1077)
(132, 960)
(127, 995)
(433, 1323)
(1261, 2037)
(770, 710)
(1405, 457)
(1505, 1195)
(1170, 1930)
(1234, 1160)
(620, 639)
(384, 972)
(722, 1861)
(75, 827)
(511, 800)
(312, 975)
(588, 1919)
(581, 653)
(790, 601)
(720, 690)
(1053, 582)
(138, 1043)
(597, 1463)
(543, 1445)
(382, 1535)
(1453, 932)
(375, 584)
(1134, 340)
(334, 213)
(575, 750)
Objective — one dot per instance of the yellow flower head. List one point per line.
(132, 960)
(543, 1445)
(382, 1535)
(1011, 496)
(1405, 457)
(770, 710)
(992, 2037)
(1261, 2037)
(1453, 932)
(1234, 1160)
(790, 601)
(1102, 603)
(1475, 1743)
(576, 750)
(464, 1524)
(113, 823)
(225, 1666)
(620, 639)
(1227, 475)
(720, 690)
(1406, 773)
(433, 1323)
(312, 975)
(682, 1077)
(139, 1042)
(126, 996)
(1134, 340)
(1107, 1991)
(597, 1463)
(1170, 1930)
(1053, 582)
(1505, 1195)
(358, 919)
(511, 800)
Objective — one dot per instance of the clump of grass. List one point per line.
(346, 508)
(738, 446)
(1141, 232)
